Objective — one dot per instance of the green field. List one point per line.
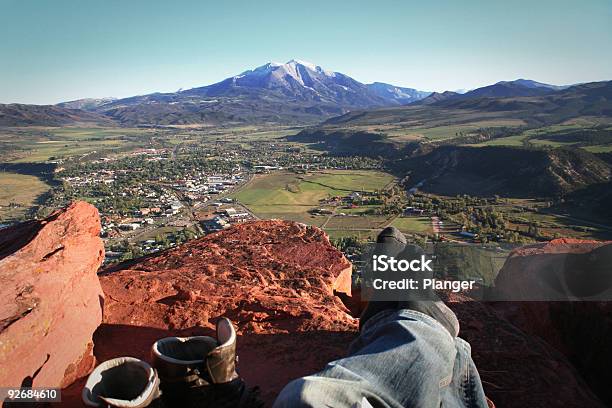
(296, 193)
(39, 144)
(413, 224)
(599, 148)
(516, 140)
(248, 133)
(18, 193)
(290, 196)
(362, 235)
(44, 151)
(357, 223)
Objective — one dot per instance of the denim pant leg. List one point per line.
(466, 389)
(401, 359)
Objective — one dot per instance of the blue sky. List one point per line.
(58, 50)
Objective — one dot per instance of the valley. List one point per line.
(513, 162)
(158, 187)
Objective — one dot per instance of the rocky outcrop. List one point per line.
(50, 298)
(581, 331)
(274, 279)
(268, 277)
(518, 369)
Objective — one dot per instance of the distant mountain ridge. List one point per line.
(544, 106)
(533, 107)
(294, 92)
(501, 89)
(437, 97)
(86, 103)
(535, 84)
(504, 89)
(16, 114)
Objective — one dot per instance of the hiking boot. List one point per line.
(200, 371)
(122, 382)
(391, 241)
(426, 302)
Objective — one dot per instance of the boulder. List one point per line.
(517, 368)
(580, 330)
(276, 280)
(50, 298)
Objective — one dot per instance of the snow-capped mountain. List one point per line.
(293, 92)
(86, 103)
(398, 94)
(299, 81)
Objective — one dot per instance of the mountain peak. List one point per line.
(295, 64)
(291, 68)
(307, 64)
(529, 83)
(435, 97)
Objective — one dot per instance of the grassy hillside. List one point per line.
(592, 102)
(592, 202)
(40, 144)
(48, 115)
(505, 171)
(596, 138)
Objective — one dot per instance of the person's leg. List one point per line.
(407, 355)
(424, 301)
(391, 242)
(402, 358)
(466, 389)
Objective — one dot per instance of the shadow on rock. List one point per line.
(269, 361)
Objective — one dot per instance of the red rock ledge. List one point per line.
(274, 279)
(50, 298)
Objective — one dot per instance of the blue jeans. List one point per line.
(402, 358)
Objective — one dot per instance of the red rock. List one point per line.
(274, 279)
(278, 282)
(50, 298)
(579, 330)
(518, 369)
